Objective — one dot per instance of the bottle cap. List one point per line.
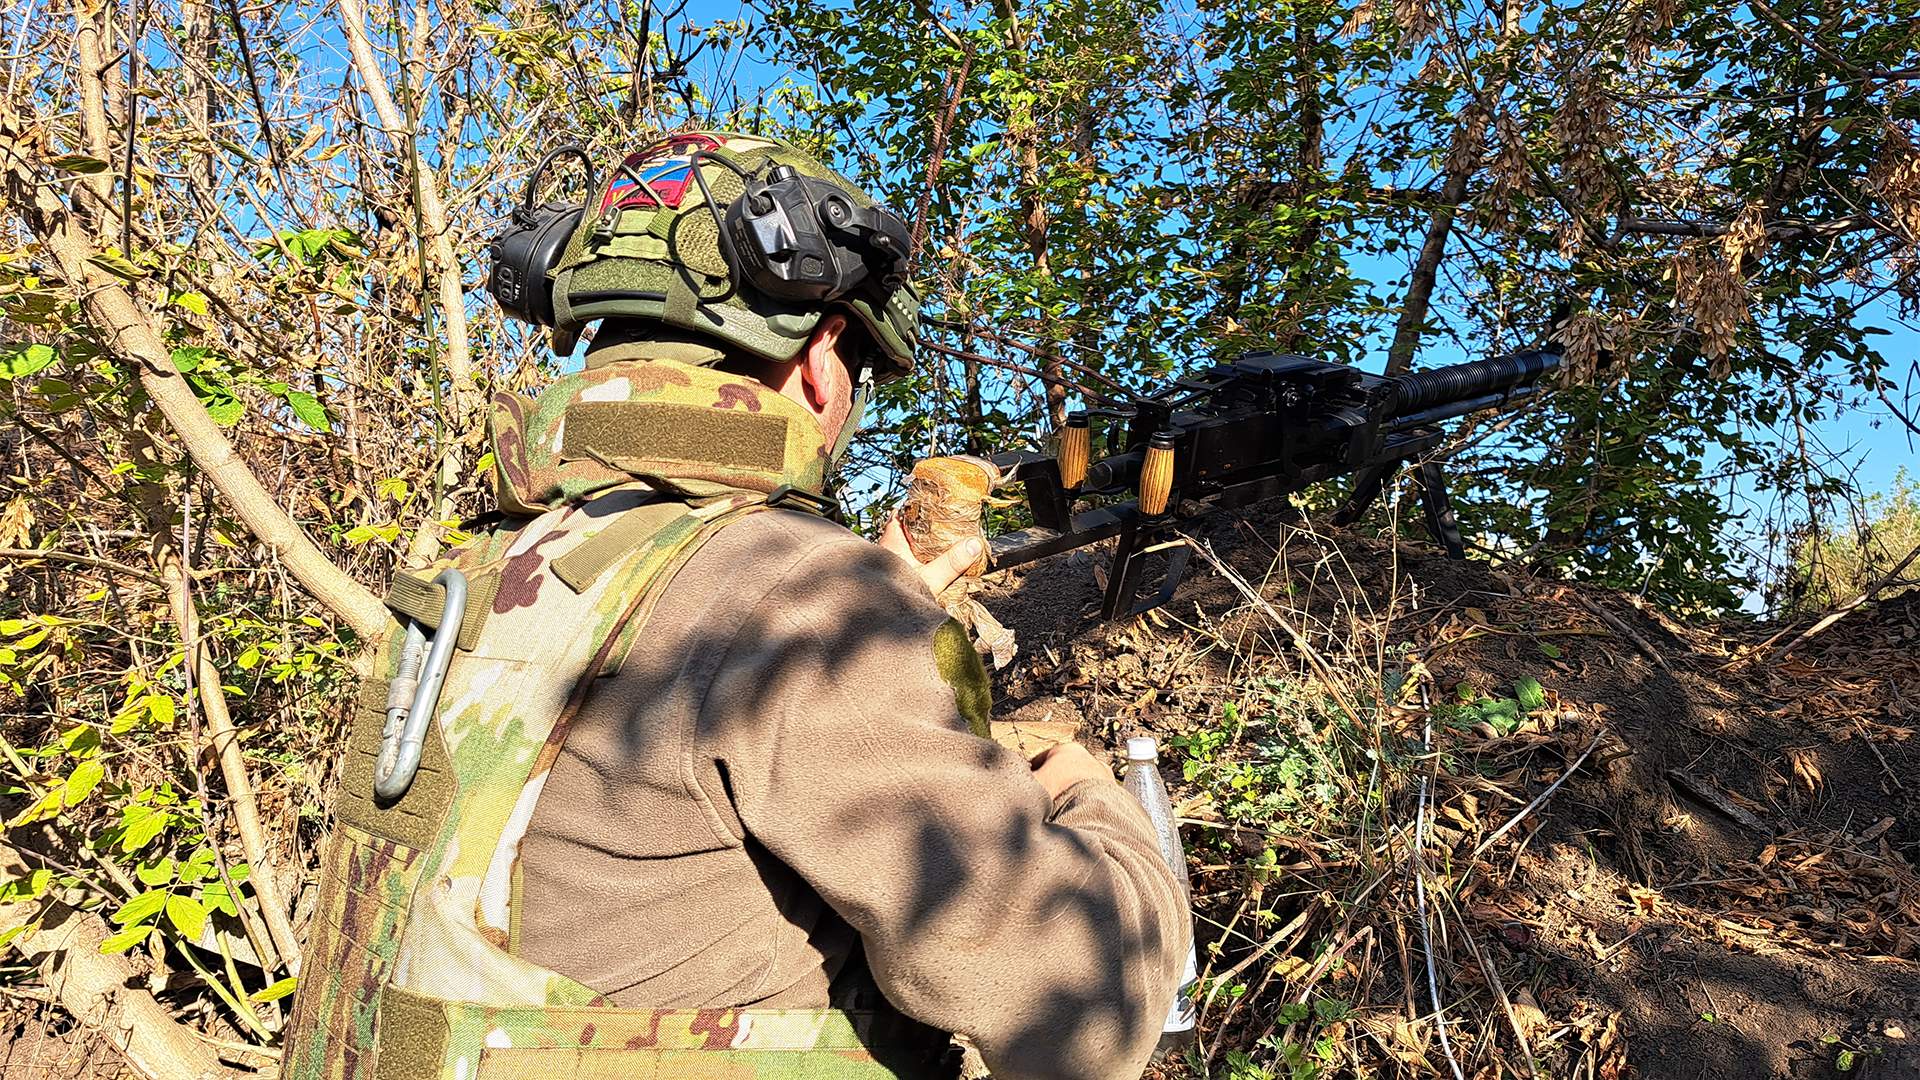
(1143, 748)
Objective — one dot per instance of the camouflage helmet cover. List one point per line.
(649, 248)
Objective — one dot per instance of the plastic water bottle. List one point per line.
(1143, 780)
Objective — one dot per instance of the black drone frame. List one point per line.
(1262, 426)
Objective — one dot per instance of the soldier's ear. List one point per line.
(822, 371)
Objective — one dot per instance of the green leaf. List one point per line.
(117, 264)
(198, 867)
(24, 360)
(276, 991)
(190, 357)
(48, 806)
(1550, 650)
(8, 937)
(160, 707)
(186, 914)
(141, 908)
(156, 874)
(143, 823)
(1527, 689)
(217, 898)
(193, 302)
(80, 163)
(1844, 1061)
(226, 412)
(81, 782)
(126, 939)
(309, 410)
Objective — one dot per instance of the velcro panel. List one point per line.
(422, 601)
(413, 1036)
(665, 431)
(415, 818)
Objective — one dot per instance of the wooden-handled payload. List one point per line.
(946, 504)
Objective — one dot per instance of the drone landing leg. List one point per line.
(1123, 580)
(1366, 489)
(1441, 524)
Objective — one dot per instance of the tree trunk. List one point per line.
(1426, 270)
(130, 338)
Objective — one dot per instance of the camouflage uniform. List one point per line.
(409, 970)
(502, 919)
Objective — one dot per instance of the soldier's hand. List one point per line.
(937, 573)
(1063, 765)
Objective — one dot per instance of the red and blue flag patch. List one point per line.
(656, 176)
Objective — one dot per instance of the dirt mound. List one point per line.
(1722, 884)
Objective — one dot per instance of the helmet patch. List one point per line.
(656, 176)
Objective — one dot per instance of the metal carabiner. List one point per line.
(414, 695)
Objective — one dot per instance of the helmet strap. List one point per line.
(856, 414)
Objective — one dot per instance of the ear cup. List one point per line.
(803, 240)
(524, 255)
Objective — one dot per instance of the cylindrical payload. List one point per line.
(1076, 447)
(1156, 474)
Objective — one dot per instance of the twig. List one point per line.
(1312, 656)
(942, 130)
(1420, 898)
(1619, 627)
(1280, 937)
(1888, 769)
(1538, 800)
(260, 107)
(1499, 988)
(1888, 580)
(37, 554)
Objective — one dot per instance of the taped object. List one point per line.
(945, 505)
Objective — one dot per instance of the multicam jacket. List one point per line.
(411, 972)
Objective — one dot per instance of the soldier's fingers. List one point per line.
(947, 569)
(894, 539)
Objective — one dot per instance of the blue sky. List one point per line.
(1865, 441)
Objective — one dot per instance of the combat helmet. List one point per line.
(740, 238)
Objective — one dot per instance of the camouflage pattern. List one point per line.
(533, 473)
(410, 971)
(634, 258)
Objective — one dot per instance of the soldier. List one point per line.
(705, 793)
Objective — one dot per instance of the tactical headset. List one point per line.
(790, 237)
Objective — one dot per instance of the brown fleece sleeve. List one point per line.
(1049, 933)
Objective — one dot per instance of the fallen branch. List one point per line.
(102, 992)
(1615, 624)
(1538, 801)
(1890, 580)
(1717, 799)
